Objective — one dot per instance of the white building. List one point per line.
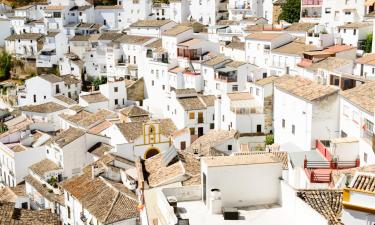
(357, 119)
(142, 139)
(208, 12)
(52, 86)
(24, 45)
(359, 200)
(5, 30)
(153, 28)
(134, 11)
(16, 158)
(239, 111)
(69, 150)
(354, 34)
(189, 110)
(54, 48)
(109, 16)
(304, 112)
(365, 66)
(258, 46)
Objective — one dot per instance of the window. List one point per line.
(259, 128)
(368, 126)
(229, 147)
(116, 101)
(283, 123)
(115, 89)
(328, 10)
(217, 86)
(344, 30)
(354, 31)
(212, 126)
(163, 87)
(251, 90)
(191, 115)
(192, 131)
(293, 129)
(223, 118)
(80, 13)
(68, 212)
(365, 157)
(45, 97)
(257, 91)
(183, 145)
(56, 14)
(152, 83)
(34, 98)
(235, 88)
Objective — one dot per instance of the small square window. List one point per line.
(191, 115)
(192, 131)
(115, 89)
(229, 147)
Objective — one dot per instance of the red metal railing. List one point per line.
(316, 177)
(323, 150)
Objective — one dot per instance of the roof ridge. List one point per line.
(113, 204)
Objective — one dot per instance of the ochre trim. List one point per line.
(347, 205)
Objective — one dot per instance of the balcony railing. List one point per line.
(318, 177)
(311, 2)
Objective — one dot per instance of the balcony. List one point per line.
(191, 54)
(226, 75)
(312, 2)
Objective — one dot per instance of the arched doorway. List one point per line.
(151, 152)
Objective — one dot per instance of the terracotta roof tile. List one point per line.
(362, 96)
(303, 87)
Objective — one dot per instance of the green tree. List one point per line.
(269, 139)
(290, 11)
(3, 127)
(368, 43)
(5, 65)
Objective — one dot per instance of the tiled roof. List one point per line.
(65, 99)
(216, 60)
(105, 200)
(202, 146)
(133, 39)
(330, 63)
(280, 156)
(207, 100)
(94, 97)
(191, 103)
(108, 7)
(264, 36)
(300, 27)
(297, 47)
(7, 195)
(70, 79)
(133, 130)
(67, 136)
(161, 174)
(364, 182)
(235, 64)
(93, 119)
(100, 149)
(25, 36)
(150, 23)
(18, 148)
(52, 78)
(176, 30)
(155, 44)
(134, 110)
(80, 38)
(9, 215)
(100, 127)
(43, 167)
(48, 107)
(239, 96)
(265, 81)
(367, 59)
(215, 161)
(44, 191)
(109, 36)
(52, 34)
(55, 7)
(303, 87)
(326, 202)
(76, 117)
(362, 96)
(236, 45)
(184, 168)
(355, 25)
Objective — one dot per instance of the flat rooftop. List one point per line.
(272, 214)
